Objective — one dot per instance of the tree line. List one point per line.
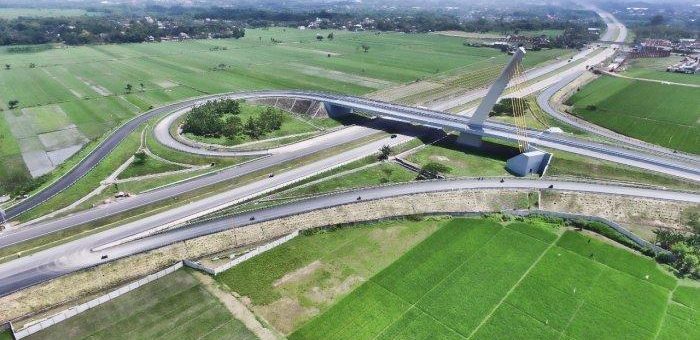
(89, 30)
(221, 118)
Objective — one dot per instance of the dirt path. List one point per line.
(237, 308)
(650, 80)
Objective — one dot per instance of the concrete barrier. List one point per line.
(75, 310)
(239, 259)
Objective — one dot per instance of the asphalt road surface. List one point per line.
(78, 254)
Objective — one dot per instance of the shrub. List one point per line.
(604, 230)
(140, 157)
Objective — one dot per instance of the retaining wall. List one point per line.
(239, 259)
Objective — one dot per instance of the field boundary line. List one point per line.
(412, 306)
(669, 300)
(439, 282)
(583, 302)
(517, 283)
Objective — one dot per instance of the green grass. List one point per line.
(655, 68)
(657, 113)
(477, 278)
(383, 173)
(682, 315)
(567, 164)
(11, 13)
(6, 335)
(175, 306)
(148, 167)
(462, 161)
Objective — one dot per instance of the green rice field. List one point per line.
(662, 114)
(476, 278)
(87, 84)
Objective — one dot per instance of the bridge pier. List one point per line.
(469, 139)
(530, 162)
(334, 110)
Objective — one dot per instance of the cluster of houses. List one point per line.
(657, 48)
(364, 24)
(689, 65)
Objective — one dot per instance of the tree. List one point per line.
(319, 37)
(7, 66)
(140, 157)
(128, 88)
(270, 120)
(666, 238)
(432, 170)
(13, 103)
(691, 218)
(252, 128)
(330, 36)
(32, 65)
(365, 47)
(384, 152)
(657, 20)
(233, 126)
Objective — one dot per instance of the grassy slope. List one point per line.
(469, 162)
(474, 277)
(662, 114)
(176, 305)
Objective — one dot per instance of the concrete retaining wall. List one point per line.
(75, 310)
(238, 260)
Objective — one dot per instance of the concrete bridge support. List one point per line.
(528, 163)
(337, 110)
(469, 140)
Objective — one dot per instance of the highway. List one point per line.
(76, 255)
